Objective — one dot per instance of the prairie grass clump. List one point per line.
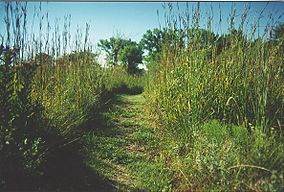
(46, 93)
(71, 88)
(202, 76)
(233, 78)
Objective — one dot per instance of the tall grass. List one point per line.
(72, 88)
(22, 145)
(232, 78)
(235, 79)
(50, 85)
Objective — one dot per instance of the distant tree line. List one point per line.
(130, 53)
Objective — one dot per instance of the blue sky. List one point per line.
(133, 19)
(108, 19)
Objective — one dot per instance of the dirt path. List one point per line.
(118, 150)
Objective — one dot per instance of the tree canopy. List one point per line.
(152, 40)
(131, 55)
(278, 32)
(112, 47)
(122, 51)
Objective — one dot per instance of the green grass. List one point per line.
(123, 146)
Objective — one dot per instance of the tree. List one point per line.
(152, 43)
(152, 40)
(278, 36)
(131, 55)
(226, 41)
(278, 33)
(121, 50)
(112, 48)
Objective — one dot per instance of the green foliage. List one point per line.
(131, 55)
(154, 177)
(112, 48)
(223, 158)
(122, 51)
(278, 32)
(42, 99)
(152, 43)
(43, 59)
(278, 36)
(115, 150)
(242, 84)
(216, 101)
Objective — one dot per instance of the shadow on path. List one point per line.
(64, 170)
